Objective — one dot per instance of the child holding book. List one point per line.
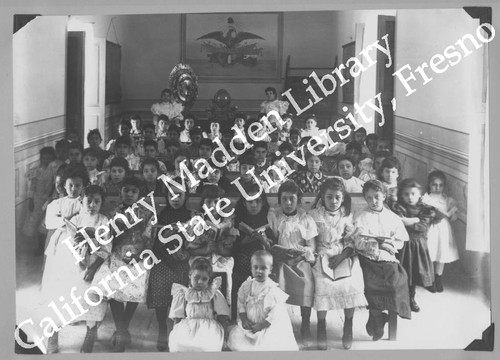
(381, 234)
(336, 251)
(295, 232)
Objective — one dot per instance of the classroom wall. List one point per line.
(345, 26)
(113, 29)
(39, 57)
(151, 48)
(432, 125)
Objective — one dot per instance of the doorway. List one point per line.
(75, 74)
(385, 80)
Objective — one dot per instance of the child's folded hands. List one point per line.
(247, 324)
(334, 261)
(387, 246)
(260, 326)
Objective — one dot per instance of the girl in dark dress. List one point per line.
(251, 217)
(417, 218)
(173, 268)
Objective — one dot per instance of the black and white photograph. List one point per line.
(263, 180)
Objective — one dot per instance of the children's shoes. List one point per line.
(53, 344)
(414, 306)
(162, 343)
(90, 338)
(378, 326)
(347, 336)
(369, 325)
(118, 341)
(432, 288)
(321, 334)
(439, 283)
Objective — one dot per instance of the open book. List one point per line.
(343, 270)
(247, 229)
(283, 253)
(72, 228)
(426, 199)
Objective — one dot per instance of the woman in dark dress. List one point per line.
(173, 268)
(251, 220)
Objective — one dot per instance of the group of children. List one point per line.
(227, 288)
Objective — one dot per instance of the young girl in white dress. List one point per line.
(81, 275)
(295, 231)
(332, 213)
(200, 312)
(74, 180)
(263, 323)
(61, 271)
(273, 103)
(440, 240)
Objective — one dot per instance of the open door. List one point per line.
(75, 75)
(95, 87)
(385, 80)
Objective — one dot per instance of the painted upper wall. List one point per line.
(39, 53)
(151, 48)
(452, 99)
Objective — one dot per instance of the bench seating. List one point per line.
(358, 203)
(193, 202)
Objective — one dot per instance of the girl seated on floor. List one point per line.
(200, 312)
(263, 323)
(216, 243)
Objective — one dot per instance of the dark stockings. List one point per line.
(122, 313)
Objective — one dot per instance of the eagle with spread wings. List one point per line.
(229, 48)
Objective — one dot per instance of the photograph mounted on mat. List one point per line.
(233, 46)
(352, 250)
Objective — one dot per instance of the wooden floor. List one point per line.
(448, 320)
